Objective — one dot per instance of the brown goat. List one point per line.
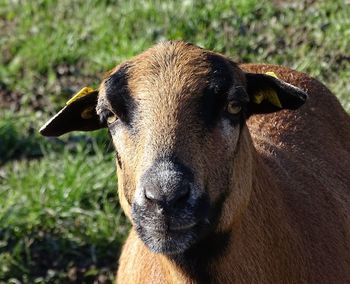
(220, 184)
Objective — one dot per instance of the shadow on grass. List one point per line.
(48, 257)
(20, 139)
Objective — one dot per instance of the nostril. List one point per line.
(149, 195)
(175, 197)
(182, 195)
(154, 194)
(183, 198)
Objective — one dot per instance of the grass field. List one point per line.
(60, 221)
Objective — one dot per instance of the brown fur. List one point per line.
(287, 212)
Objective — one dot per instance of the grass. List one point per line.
(56, 210)
(60, 220)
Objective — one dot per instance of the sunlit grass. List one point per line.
(60, 213)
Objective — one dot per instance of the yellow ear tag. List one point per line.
(82, 93)
(272, 74)
(258, 98)
(269, 94)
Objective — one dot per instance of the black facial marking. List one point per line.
(215, 94)
(210, 107)
(197, 260)
(117, 156)
(220, 91)
(241, 98)
(118, 94)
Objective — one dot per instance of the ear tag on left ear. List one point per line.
(88, 112)
(82, 93)
(269, 94)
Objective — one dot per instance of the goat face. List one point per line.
(176, 116)
(175, 120)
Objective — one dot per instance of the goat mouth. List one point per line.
(167, 224)
(183, 227)
(167, 239)
(173, 231)
(168, 229)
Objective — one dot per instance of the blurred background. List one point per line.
(60, 221)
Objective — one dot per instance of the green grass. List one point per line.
(60, 219)
(60, 214)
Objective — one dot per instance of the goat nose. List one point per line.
(173, 196)
(166, 184)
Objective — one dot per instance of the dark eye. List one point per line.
(233, 107)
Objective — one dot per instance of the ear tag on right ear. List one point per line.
(272, 74)
(269, 95)
(82, 93)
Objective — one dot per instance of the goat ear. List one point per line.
(78, 114)
(269, 94)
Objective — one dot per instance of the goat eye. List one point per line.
(111, 118)
(233, 107)
(108, 117)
